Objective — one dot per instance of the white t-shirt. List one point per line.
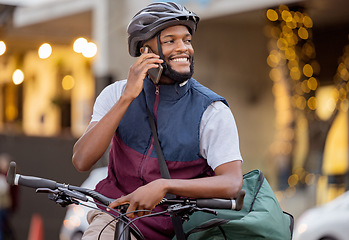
(219, 141)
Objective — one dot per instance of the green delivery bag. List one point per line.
(260, 218)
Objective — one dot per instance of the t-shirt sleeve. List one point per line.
(106, 99)
(219, 140)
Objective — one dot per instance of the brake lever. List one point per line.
(73, 194)
(206, 210)
(179, 209)
(63, 191)
(47, 190)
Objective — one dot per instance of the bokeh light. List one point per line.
(45, 51)
(17, 77)
(2, 47)
(68, 82)
(79, 45)
(90, 50)
(87, 49)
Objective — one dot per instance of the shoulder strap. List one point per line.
(161, 159)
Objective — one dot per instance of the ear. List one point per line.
(142, 49)
(145, 47)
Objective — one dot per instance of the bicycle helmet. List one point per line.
(153, 19)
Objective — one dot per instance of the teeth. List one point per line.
(180, 59)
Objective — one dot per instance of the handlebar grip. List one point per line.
(32, 182)
(216, 203)
(11, 173)
(35, 182)
(234, 204)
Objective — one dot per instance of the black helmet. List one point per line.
(155, 18)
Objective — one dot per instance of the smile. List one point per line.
(180, 59)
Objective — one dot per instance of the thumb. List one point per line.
(120, 201)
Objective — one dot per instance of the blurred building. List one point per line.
(57, 55)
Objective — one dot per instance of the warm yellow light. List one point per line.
(17, 77)
(282, 44)
(308, 70)
(290, 54)
(79, 45)
(90, 50)
(273, 60)
(298, 16)
(301, 102)
(68, 82)
(45, 51)
(275, 74)
(292, 24)
(307, 22)
(295, 73)
(293, 180)
(292, 63)
(344, 74)
(312, 83)
(303, 33)
(272, 15)
(2, 47)
(327, 99)
(312, 103)
(308, 50)
(310, 179)
(304, 86)
(286, 16)
(11, 112)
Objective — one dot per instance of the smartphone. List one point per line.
(154, 73)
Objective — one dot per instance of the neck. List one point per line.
(166, 80)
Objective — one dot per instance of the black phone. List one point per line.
(154, 73)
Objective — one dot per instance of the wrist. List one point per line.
(126, 98)
(164, 185)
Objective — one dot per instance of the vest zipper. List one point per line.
(151, 146)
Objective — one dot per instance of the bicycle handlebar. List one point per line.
(41, 183)
(35, 182)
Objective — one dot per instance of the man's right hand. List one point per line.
(138, 72)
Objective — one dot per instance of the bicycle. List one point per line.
(66, 194)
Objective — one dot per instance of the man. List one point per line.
(196, 128)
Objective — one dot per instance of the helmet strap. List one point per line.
(164, 65)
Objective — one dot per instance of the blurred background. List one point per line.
(282, 66)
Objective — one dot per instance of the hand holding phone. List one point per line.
(154, 73)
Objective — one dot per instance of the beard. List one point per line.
(176, 76)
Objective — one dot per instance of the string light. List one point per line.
(294, 83)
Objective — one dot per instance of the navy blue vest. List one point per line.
(133, 159)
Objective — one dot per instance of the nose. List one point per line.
(181, 46)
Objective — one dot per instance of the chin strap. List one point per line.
(164, 65)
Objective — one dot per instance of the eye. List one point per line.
(168, 41)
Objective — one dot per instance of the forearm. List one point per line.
(209, 187)
(95, 141)
(227, 183)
